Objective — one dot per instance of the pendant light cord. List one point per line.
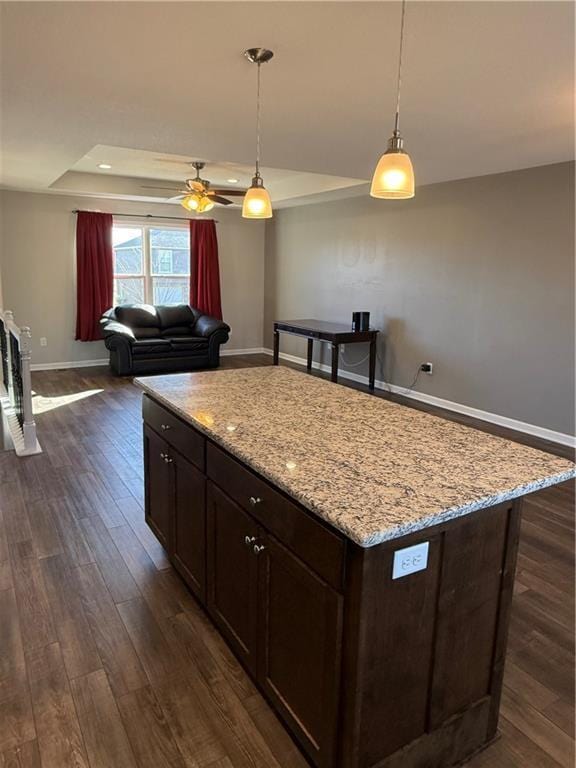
(399, 84)
(258, 111)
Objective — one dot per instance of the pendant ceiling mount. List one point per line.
(258, 55)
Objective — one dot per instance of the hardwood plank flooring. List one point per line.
(104, 734)
(107, 661)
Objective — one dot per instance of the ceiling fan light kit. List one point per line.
(394, 175)
(257, 203)
(190, 202)
(199, 196)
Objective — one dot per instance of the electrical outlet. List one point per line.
(43, 341)
(410, 560)
(427, 368)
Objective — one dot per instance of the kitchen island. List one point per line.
(357, 555)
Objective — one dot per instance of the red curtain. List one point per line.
(94, 272)
(204, 269)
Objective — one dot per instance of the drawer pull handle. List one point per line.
(255, 500)
(165, 427)
(258, 548)
(249, 540)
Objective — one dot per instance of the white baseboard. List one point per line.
(71, 364)
(249, 351)
(503, 421)
(104, 361)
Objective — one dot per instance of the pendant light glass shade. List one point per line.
(394, 177)
(257, 203)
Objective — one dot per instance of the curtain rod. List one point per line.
(150, 216)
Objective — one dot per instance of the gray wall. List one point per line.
(476, 276)
(38, 265)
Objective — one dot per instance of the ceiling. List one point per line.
(137, 173)
(487, 87)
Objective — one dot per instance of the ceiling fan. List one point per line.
(198, 195)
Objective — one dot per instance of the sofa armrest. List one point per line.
(118, 339)
(206, 326)
(111, 328)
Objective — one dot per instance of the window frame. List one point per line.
(147, 275)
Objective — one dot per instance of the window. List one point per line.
(151, 265)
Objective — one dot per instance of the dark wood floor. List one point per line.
(107, 662)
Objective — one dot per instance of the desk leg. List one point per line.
(310, 351)
(276, 347)
(372, 372)
(334, 376)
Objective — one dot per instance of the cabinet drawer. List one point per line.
(320, 548)
(190, 443)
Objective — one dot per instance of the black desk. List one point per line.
(333, 333)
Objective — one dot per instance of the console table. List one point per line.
(332, 333)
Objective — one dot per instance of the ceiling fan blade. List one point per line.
(220, 200)
(230, 192)
(177, 198)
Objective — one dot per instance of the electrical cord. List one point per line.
(415, 379)
(353, 365)
(405, 390)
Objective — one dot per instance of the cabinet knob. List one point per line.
(163, 456)
(249, 540)
(164, 427)
(255, 500)
(258, 548)
(167, 459)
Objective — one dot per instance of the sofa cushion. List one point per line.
(151, 348)
(176, 330)
(138, 315)
(188, 343)
(177, 315)
(146, 333)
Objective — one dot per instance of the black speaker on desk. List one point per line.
(360, 321)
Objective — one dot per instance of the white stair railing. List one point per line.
(16, 385)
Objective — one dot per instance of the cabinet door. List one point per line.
(233, 574)
(189, 525)
(300, 627)
(158, 487)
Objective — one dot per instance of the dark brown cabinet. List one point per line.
(158, 486)
(282, 621)
(299, 654)
(188, 550)
(233, 574)
(176, 508)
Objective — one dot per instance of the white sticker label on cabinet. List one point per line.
(410, 560)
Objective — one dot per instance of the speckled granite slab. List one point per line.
(373, 469)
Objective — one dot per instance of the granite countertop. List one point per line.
(373, 469)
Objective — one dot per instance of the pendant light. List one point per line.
(257, 203)
(394, 176)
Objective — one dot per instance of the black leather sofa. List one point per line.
(146, 339)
